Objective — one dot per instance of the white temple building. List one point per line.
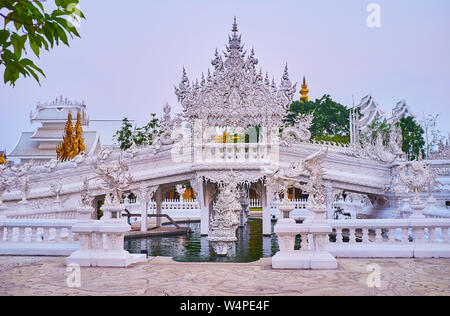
(236, 96)
(40, 145)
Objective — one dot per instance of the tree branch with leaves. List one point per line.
(26, 24)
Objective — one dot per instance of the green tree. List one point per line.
(141, 136)
(376, 128)
(27, 24)
(413, 141)
(331, 119)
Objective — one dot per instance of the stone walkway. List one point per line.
(162, 276)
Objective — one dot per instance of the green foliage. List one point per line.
(412, 134)
(26, 24)
(334, 139)
(331, 119)
(413, 141)
(377, 128)
(142, 135)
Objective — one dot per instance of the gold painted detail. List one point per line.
(304, 91)
(73, 141)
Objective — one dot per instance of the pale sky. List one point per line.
(130, 57)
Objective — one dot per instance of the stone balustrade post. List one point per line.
(112, 227)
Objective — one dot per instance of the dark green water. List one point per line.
(250, 246)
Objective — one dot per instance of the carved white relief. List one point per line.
(114, 175)
(225, 217)
(21, 181)
(299, 132)
(417, 177)
(235, 94)
(86, 195)
(56, 188)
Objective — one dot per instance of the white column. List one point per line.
(204, 220)
(144, 218)
(266, 201)
(158, 205)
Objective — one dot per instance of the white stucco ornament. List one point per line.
(21, 181)
(56, 188)
(299, 132)
(225, 218)
(417, 177)
(235, 94)
(114, 175)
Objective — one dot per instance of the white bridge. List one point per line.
(235, 98)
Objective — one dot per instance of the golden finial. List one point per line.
(3, 159)
(73, 141)
(304, 92)
(79, 146)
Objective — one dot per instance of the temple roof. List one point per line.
(235, 94)
(400, 111)
(29, 149)
(58, 110)
(370, 110)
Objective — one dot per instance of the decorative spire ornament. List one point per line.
(64, 151)
(73, 141)
(3, 160)
(79, 146)
(304, 91)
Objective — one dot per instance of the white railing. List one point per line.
(188, 208)
(419, 238)
(37, 237)
(48, 213)
(232, 152)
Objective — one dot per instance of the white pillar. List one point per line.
(158, 205)
(204, 220)
(265, 200)
(144, 218)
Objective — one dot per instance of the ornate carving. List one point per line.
(21, 180)
(145, 194)
(5, 181)
(443, 152)
(86, 194)
(299, 132)
(56, 188)
(417, 177)
(235, 94)
(115, 176)
(225, 217)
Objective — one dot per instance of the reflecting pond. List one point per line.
(250, 246)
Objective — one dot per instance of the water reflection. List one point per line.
(250, 246)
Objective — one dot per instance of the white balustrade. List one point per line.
(46, 213)
(37, 237)
(175, 208)
(231, 152)
(425, 238)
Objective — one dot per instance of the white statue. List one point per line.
(417, 177)
(86, 194)
(181, 189)
(5, 182)
(56, 188)
(115, 176)
(21, 180)
(299, 132)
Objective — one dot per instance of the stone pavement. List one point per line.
(162, 276)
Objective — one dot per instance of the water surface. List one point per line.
(250, 246)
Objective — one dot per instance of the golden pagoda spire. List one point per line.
(65, 150)
(304, 92)
(79, 146)
(3, 159)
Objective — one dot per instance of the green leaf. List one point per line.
(4, 35)
(11, 74)
(18, 43)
